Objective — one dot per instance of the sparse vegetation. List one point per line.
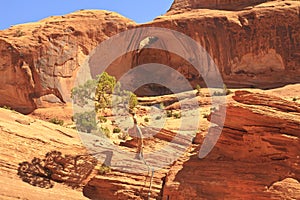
(102, 119)
(100, 92)
(169, 113)
(86, 121)
(133, 102)
(116, 130)
(213, 109)
(146, 119)
(106, 131)
(82, 94)
(294, 99)
(225, 91)
(105, 87)
(103, 169)
(57, 121)
(198, 88)
(158, 117)
(161, 106)
(7, 107)
(177, 115)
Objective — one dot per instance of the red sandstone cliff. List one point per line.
(42, 58)
(254, 47)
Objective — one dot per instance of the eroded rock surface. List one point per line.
(251, 47)
(213, 4)
(21, 142)
(259, 147)
(42, 59)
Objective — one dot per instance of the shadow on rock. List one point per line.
(70, 170)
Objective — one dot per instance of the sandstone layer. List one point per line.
(213, 4)
(42, 59)
(257, 47)
(22, 138)
(251, 47)
(256, 156)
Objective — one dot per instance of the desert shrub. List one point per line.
(225, 91)
(86, 121)
(177, 115)
(158, 117)
(198, 88)
(116, 130)
(106, 132)
(57, 121)
(213, 109)
(103, 169)
(146, 119)
(133, 101)
(169, 113)
(7, 107)
(161, 106)
(102, 119)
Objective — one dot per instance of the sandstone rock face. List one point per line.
(256, 157)
(252, 47)
(135, 184)
(41, 59)
(213, 4)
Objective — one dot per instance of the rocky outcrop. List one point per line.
(42, 59)
(136, 184)
(213, 4)
(256, 156)
(252, 47)
(286, 189)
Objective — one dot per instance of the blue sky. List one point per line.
(14, 12)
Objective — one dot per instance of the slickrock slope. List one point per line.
(42, 58)
(256, 157)
(135, 184)
(21, 139)
(24, 138)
